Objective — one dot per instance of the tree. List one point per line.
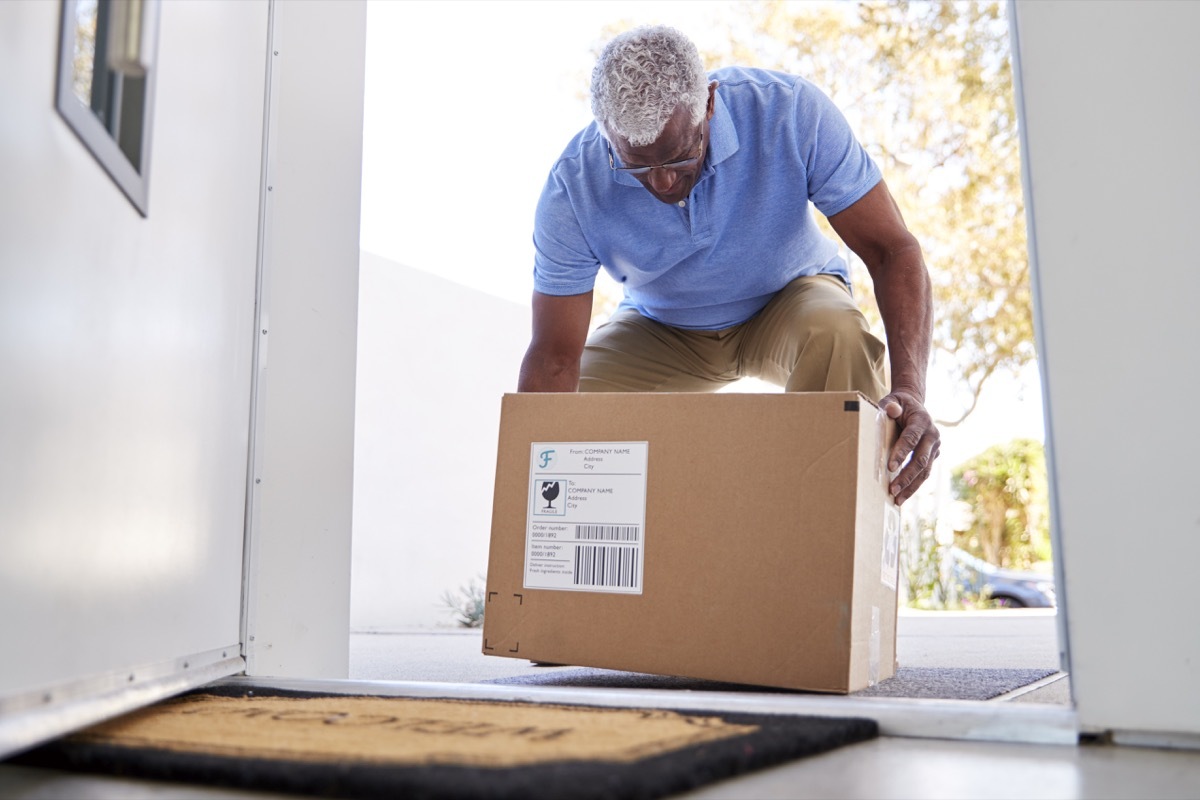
(1006, 488)
(928, 89)
(925, 581)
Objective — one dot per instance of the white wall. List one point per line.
(1110, 95)
(125, 357)
(434, 358)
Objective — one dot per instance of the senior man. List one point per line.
(693, 191)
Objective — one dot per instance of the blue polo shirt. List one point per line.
(745, 231)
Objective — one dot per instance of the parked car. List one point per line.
(1001, 588)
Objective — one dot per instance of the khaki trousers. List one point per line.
(811, 337)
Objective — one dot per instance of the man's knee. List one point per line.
(839, 353)
(605, 370)
(836, 323)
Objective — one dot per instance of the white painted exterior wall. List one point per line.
(434, 358)
(1111, 119)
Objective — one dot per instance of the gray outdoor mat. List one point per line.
(940, 683)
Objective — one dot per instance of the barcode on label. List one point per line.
(605, 566)
(611, 533)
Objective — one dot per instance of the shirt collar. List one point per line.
(722, 143)
(723, 138)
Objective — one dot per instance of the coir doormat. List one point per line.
(369, 747)
(922, 682)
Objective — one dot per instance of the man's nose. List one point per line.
(661, 180)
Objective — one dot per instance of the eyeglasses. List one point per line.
(683, 163)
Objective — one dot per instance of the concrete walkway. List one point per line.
(1011, 639)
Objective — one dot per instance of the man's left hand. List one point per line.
(919, 438)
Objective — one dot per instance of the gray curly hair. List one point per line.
(641, 76)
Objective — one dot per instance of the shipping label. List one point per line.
(586, 527)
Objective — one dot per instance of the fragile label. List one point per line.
(587, 516)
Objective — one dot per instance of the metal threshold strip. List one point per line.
(964, 720)
(40, 715)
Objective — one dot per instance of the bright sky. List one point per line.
(468, 103)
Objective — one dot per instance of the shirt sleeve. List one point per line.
(839, 170)
(563, 262)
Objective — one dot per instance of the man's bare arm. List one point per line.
(874, 229)
(560, 326)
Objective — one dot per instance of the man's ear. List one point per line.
(712, 100)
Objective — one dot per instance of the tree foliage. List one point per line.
(927, 87)
(926, 582)
(468, 603)
(1006, 488)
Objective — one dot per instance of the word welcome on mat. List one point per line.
(358, 746)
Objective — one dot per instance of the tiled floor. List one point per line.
(888, 767)
(884, 769)
(892, 769)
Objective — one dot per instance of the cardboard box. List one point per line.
(747, 538)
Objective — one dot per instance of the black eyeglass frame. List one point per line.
(683, 163)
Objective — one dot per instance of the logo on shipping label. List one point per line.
(545, 458)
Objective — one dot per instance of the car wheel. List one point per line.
(1003, 601)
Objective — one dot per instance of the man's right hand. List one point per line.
(560, 328)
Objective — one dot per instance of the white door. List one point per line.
(175, 506)
(126, 346)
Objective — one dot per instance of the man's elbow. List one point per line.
(900, 261)
(552, 371)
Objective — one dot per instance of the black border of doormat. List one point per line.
(780, 738)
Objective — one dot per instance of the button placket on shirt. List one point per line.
(697, 214)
